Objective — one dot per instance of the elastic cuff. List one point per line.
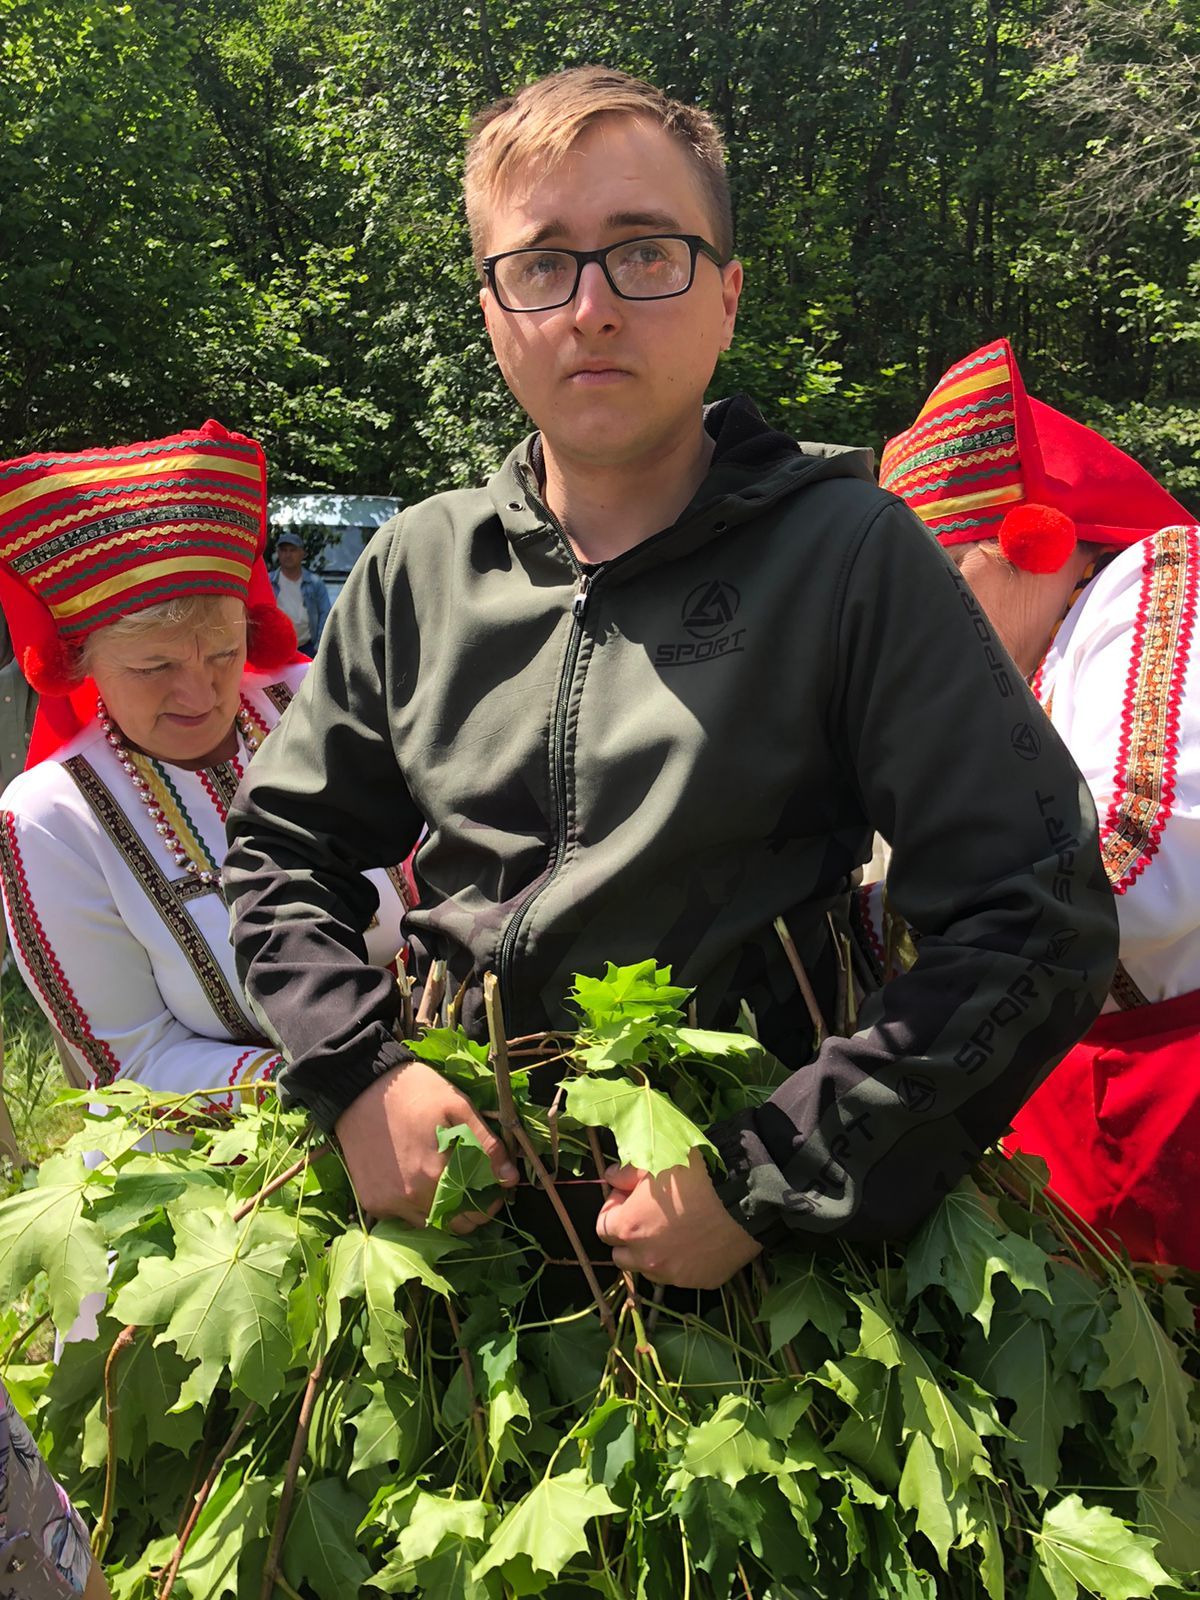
(326, 1092)
(741, 1191)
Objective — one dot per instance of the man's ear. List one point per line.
(732, 278)
(487, 306)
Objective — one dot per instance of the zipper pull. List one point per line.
(580, 600)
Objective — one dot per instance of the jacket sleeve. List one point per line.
(323, 801)
(95, 980)
(995, 865)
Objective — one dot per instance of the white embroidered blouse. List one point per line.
(1121, 683)
(126, 951)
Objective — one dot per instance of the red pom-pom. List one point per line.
(272, 638)
(1037, 538)
(48, 668)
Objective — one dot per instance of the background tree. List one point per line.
(254, 211)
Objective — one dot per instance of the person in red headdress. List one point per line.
(1087, 569)
(134, 588)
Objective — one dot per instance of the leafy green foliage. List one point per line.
(256, 208)
(996, 1410)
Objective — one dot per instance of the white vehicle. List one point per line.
(336, 528)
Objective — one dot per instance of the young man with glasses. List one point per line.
(651, 689)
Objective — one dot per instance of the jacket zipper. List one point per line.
(505, 955)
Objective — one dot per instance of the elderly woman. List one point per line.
(133, 583)
(1087, 571)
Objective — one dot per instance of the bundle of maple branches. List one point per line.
(281, 1399)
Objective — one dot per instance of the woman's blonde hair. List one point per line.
(536, 127)
(198, 612)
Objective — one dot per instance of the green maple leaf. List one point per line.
(466, 1178)
(650, 1132)
(548, 1526)
(870, 1436)
(434, 1519)
(1174, 1521)
(930, 1408)
(878, 1337)
(609, 1046)
(44, 1229)
(506, 1404)
(374, 1265)
(802, 1294)
(1138, 1351)
(963, 1245)
(1087, 1548)
(234, 1516)
(643, 988)
(394, 1429)
(1018, 1364)
(222, 1298)
(718, 1521)
(735, 1442)
(319, 1551)
(925, 1489)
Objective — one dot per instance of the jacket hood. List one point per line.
(753, 467)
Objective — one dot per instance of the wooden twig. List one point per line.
(23, 1337)
(431, 999)
(202, 1494)
(806, 988)
(293, 1171)
(454, 1013)
(299, 1444)
(791, 1359)
(547, 1182)
(102, 1532)
(477, 1418)
(404, 984)
(498, 1055)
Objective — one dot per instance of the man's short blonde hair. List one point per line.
(536, 127)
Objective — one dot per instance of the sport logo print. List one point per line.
(1026, 741)
(707, 614)
(710, 608)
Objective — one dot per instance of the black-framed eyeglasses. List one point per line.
(657, 266)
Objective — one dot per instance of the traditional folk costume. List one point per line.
(1118, 1120)
(109, 858)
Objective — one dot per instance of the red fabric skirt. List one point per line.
(1118, 1122)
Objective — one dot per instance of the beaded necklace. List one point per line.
(152, 783)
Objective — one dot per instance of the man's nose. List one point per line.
(596, 304)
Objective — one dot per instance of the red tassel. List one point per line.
(272, 638)
(47, 667)
(1037, 538)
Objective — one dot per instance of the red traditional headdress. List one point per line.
(985, 461)
(93, 535)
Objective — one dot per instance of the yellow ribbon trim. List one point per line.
(968, 502)
(126, 580)
(101, 473)
(988, 378)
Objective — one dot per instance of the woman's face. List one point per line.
(173, 692)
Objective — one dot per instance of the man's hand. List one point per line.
(389, 1139)
(673, 1228)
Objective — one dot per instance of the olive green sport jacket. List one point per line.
(658, 757)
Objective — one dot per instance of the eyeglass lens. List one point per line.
(642, 269)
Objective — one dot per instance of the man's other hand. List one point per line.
(673, 1228)
(389, 1135)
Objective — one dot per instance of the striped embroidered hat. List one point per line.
(90, 536)
(985, 461)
